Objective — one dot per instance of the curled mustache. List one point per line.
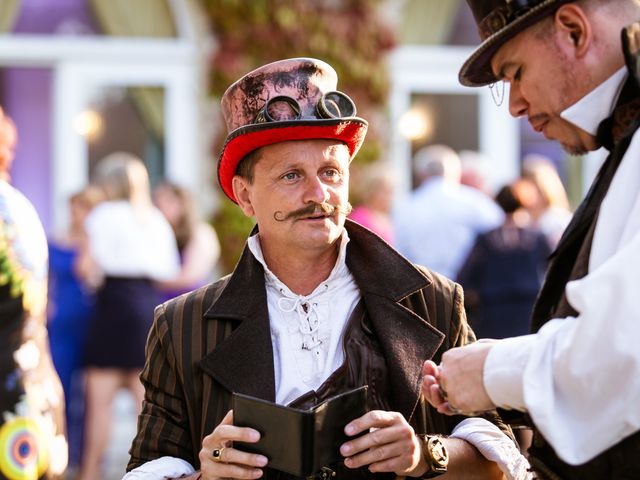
(312, 209)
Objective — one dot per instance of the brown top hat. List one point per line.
(499, 21)
(294, 99)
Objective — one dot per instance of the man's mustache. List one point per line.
(313, 209)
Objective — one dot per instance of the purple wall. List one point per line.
(55, 16)
(26, 97)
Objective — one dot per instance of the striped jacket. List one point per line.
(216, 340)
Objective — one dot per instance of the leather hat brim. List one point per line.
(246, 139)
(476, 71)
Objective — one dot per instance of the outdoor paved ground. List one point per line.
(124, 428)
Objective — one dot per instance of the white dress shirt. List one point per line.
(579, 378)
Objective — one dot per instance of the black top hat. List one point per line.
(499, 21)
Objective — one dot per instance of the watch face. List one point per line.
(438, 453)
(435, 456)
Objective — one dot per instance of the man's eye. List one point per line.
(290, 176)
(517, 75)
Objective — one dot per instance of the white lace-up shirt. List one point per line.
(307, 330)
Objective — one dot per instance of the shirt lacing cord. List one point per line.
(308, 318)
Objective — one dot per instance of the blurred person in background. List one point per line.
(503, 272)
(197, 241)
(437, 225)
(475, 168)
(130, 245)
(374, 186)
(32, 440)
(549, 205)
(70, 310)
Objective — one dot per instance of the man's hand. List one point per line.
(456, 386)
(431, 388)
(219, 460)
(391, 446)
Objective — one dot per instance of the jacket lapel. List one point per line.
(385, 279)
(243, 362)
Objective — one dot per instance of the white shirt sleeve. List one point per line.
(494, 445)
(579, 378)
(161, 469)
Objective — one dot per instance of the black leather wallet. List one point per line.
(299, 442)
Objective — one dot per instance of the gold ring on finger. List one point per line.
(217, 454)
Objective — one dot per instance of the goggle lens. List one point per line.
(279, 109)
(336, 105)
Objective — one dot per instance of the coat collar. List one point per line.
(244, 361)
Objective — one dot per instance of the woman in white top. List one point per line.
(129, 246)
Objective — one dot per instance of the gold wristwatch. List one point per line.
(435, 455)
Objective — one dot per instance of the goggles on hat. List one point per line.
(283, 108)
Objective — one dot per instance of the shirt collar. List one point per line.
(339, 271)
(590, 110)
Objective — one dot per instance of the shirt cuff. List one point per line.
(161, 469)
(504, 370)
(495, 446)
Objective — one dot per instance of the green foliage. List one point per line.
(233, 228)
(350, 35)
(10, 272)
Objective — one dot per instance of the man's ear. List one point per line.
(241, 190)
(574, 26)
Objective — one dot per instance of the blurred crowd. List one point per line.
(126, 250)
(495, 245)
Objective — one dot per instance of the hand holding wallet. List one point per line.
(299, 442)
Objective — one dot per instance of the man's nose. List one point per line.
(517, 104)
(316, 191)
